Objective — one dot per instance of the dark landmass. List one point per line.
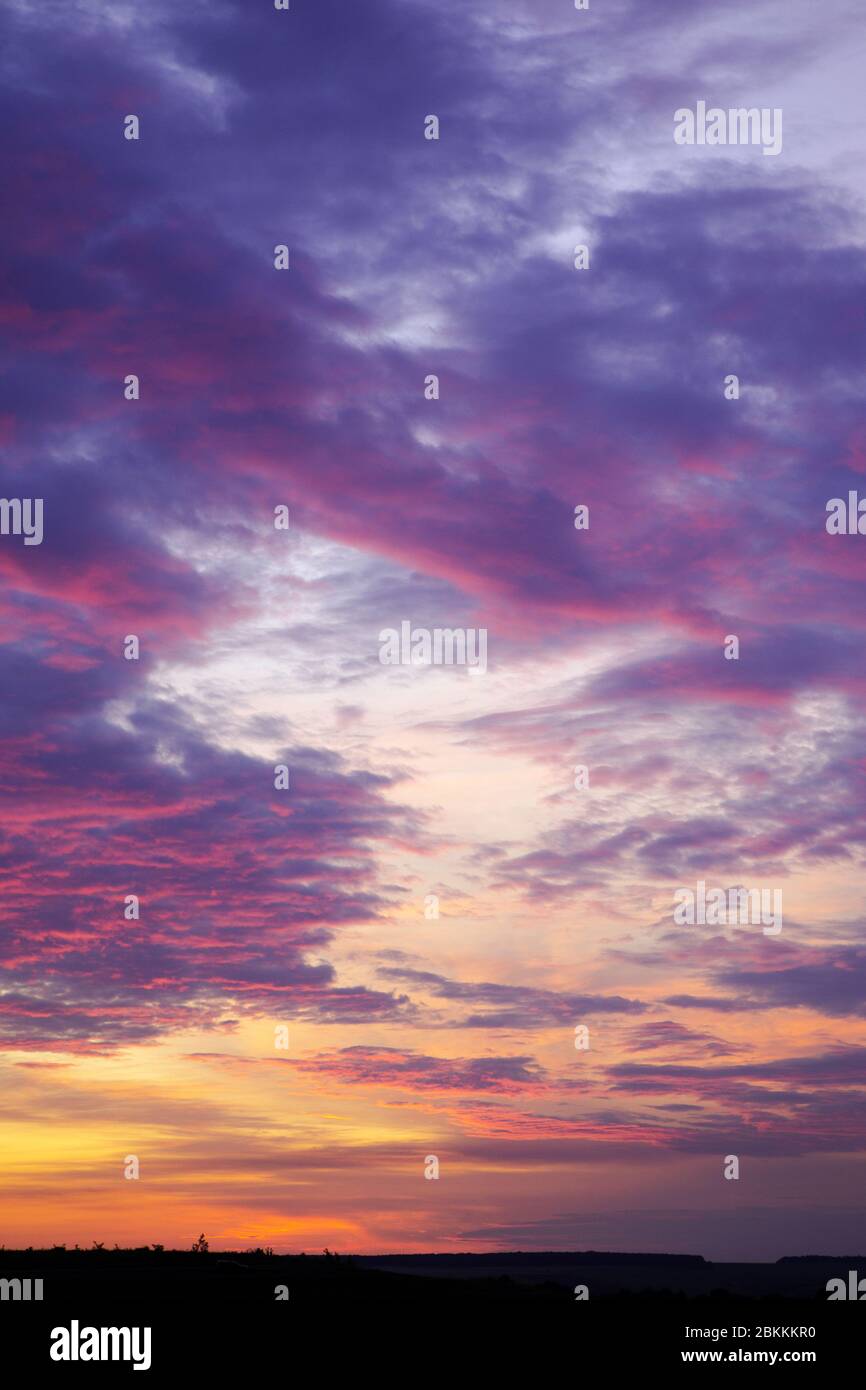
(611, 1275)
(537, 1257)
(404, 1316)
(252, 1276)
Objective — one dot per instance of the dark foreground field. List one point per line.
(215, 1310)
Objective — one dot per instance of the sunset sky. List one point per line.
(412, 1035)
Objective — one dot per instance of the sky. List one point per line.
(436, 902)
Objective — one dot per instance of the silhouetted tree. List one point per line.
(201, 1246)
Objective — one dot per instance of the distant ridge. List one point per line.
(821, 1259)
(541, 1257)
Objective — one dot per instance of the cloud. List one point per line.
(675, 1039)
(511, 1006)
(410, 1070)
(237, 883)
(558, 388)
